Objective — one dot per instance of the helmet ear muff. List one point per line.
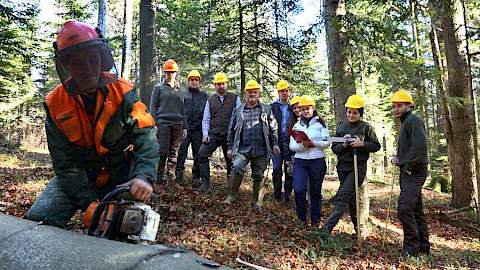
(99, 32)
(55, 47)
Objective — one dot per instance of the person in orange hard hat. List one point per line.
(100, 135)
(168, 110)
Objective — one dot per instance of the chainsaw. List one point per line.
(117, 219)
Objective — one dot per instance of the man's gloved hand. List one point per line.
(230, 154)
(139, 189)
(276, 150)
(184, 134)
(205, 139)
(394, 161)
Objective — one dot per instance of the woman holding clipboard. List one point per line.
(309, 137)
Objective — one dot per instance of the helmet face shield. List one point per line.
(85, 67)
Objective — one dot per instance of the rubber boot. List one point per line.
(234, 183)
(205, 185)
(258, 192)
(179, 177)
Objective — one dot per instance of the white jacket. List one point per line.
(317, 133)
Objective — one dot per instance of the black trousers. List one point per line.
(345, 197)
(410, 213)
(206, 151)
(194, 138)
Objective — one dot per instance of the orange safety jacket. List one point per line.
(69, 116)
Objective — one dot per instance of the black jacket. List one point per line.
(283, 141)
(194, 106)
(412, 148)
(366, 133)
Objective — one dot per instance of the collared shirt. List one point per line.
(252, 141)
(285, 116)
(206, 113)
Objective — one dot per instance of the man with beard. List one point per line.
(216, 117)
(412, 158)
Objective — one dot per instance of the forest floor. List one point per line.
(270, 237)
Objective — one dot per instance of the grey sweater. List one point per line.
(167, 105)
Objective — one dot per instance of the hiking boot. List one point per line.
(204, 187)
(196, 180)
(409, 254)
(256, 206)
(325, 234)
(228, 200)
(302, 224)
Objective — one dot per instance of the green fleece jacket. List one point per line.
(366, 133)
(412, 148)
(77, 167)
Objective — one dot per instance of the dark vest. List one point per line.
(220, 113)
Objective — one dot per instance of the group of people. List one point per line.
(100, 135)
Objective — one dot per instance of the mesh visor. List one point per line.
(86, 66)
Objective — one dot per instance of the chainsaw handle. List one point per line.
(114, 193)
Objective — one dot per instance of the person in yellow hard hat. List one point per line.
(252, 138)
(282, 162)
(412, 158)
(308, 140)
(366, 142)
(216, 116)
(194, 100)
(167, 108)
(296, 112)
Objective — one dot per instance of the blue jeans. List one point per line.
(307, 171)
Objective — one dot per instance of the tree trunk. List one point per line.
(440, 84)
(242, 56)
(422, 100)
(473, 108)
(127, 38)
(147, 50)
(277, 33)
(461, 162)
(257, 54)
(342, 84)
(102, 15)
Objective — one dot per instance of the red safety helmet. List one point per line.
(83, 59)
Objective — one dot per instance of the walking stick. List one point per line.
(388, 214)
(357, 198)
